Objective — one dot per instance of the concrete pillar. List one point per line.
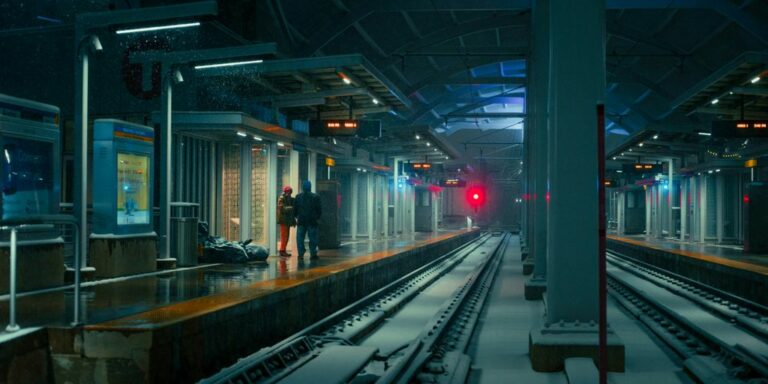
(435, 200)
(539, 162)
(370, 197)
(577, 85)
(720, 206)
(353, 215)
(272, 196)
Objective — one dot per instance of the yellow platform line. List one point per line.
(751, 267)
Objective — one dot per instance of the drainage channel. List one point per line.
(722, 339)
(381, 337)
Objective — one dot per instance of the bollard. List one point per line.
(12, 326)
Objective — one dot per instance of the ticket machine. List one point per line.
(123, 164)
(30, 184)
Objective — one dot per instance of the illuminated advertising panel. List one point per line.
(133, 189)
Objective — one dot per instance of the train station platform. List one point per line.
(185, 324)
(725, 267)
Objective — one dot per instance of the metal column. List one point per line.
(370, 197)
(395, 197)
(80, 205)
(720, 207)
(703, 208)
(312, 169)
(648, 208)
(166, 127)
(272, 196)
(577, 36)
(353, 216)
(246, 165)
(671, 199)
(385, 205)
(683, 208)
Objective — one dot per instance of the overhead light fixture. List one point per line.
(619, 171)
(358, 169)
(334, 141)
(614, 157)
(418, 137)
(428, 144)
(656, 136)
(375, 100)
(280, 144)
(715, 101)
(622, 153)
(755, 80)
(640, 145)
(447, 158)
(630, 149)
(705, 134)
(157, 28)
(710, 171)
(717, 170)
(365, 170)
(243, 134)
(730, 92)
(7, 156)
(257, 138)
(229, 64)
(435, 149)
(344, 78)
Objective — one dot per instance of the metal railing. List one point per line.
(13, 225)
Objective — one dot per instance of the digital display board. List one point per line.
(643, 168)
(345, 127)
(453, 183)
(133, 189)
(417, 167)
(740, 128)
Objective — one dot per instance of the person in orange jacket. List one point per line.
(285, 217)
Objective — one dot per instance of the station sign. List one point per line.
(345, 127)
(330, 162)
(453, 183)
(643, 168)
(740, 128)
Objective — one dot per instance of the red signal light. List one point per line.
(476, 196)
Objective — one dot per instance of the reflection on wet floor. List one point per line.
(102, 302)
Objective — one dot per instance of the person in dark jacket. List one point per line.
(307, 211)
(285, 217)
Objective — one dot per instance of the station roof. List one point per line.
(460, 68)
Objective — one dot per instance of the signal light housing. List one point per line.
(475, 196)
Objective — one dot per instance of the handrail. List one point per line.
(13, 224)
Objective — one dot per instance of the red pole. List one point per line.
(603, 321)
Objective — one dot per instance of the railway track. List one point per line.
(720, 337)
(415, 327)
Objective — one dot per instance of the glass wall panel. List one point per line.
(345, 207)
(284, 171)
(259, 204)
(230, 191)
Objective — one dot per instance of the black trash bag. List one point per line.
(218, 250)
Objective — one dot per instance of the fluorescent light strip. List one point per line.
(157, 28)
(705, 134)
(230, 64)
(755, 80)
(243, 134)
(715, 101)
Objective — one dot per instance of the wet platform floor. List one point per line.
(727, 255)
(110, 299)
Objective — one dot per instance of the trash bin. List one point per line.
(183, 234)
